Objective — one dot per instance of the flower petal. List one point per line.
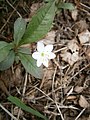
(40, 46)
(48, 48)
(36, 55)
(39, 62)
(51, 55)
(45, 62)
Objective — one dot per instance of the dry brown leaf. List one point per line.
(70, 58)
(72, 45)
(34, 8)
(17, 76)
(84, 37)
(49, 38)
(16, 110)
(3, 87)
(71, 54)
(78, 89)
(83, 102)
(81, 26)
(47, 85)
(71, 97)
(88, 53)
(49, 74)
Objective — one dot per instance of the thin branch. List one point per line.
(8, 112)
(44, 93)
(13, 8)
(80, 114)
(59, 111)
(24, 89)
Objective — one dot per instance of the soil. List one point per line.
(64, 91)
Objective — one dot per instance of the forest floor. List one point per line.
(64, 91)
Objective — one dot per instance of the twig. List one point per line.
(63, 106)
(53, 91)
(24, 89)
(64, 48)
(80, 114)
(85, 11)
(8, 112)
(79, 71)
(25, 84)
(57, 64)
(59, 111)
(7, 21)
(43, 93)
(48, 93)
(50, 112)
(43, 79)
(85, 6)
(13, 8)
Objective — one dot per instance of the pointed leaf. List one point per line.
(69, 6)
(3, 44)
(30, 65)
(20, 104)
(46, 1)
(40, 24)
(5, 64)
(19, 29)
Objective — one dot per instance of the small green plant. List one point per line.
(25, 33)
(20, 104)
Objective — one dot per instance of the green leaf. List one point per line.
(30, 65)
(20, 104)
(69, 6)
(24, 50)
(40, 24)
(5, 64)
(48, 1)
(4, 50)
(19, 29)
(3, 44)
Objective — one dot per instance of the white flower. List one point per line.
(43, 54)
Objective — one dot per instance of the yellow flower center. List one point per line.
(42, 54)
